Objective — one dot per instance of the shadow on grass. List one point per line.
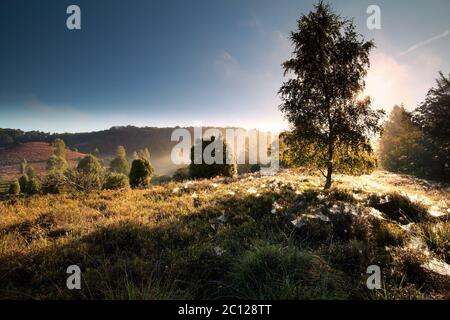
(236, 247)
(185, 258)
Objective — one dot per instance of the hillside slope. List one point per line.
(274, 237)
(36, 154)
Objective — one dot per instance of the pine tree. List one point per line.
(143, 154)
(120, 163)
(23, 167)
(90, 173)
(57, 163)
(226, 165)
(140, 173)
(14, 188)
(59, 148)
(433, 118)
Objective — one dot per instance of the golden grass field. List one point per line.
(256, 237)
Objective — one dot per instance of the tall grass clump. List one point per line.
(273, 271)
(399, 207)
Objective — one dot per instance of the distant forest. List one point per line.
(104, 143)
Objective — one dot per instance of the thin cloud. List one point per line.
(37, 106)
(425, 42)
(227, 65)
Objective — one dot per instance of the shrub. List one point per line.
(33, 186)
(31, 173)
(227, 167)
(161, 179)
(59, 148)
(55, 182)
(142, 154)
(23, 182)
(120, 163)
(89, 174)
(89, 165)
(248, 168)
(23, 167)
(14, 188)
(116, 181)
(181, 174)
(140, 173)
(56, 163)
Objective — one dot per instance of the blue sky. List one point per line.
(165, 63)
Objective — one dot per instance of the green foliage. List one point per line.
(55, 182)
(329, 63)
(6, 139)
(9, 137)
(14, 188)
(181, 174)
(56, 164)
(90, 174)
(400, 143)
(248, 168)
(31, 173)
(23, 182)
(161, 179)
(433, 118)
(142, 154)
(419, 142)
(224, 162)
(140, 173)
(59, 148)
(120, 163)
(89, 165)
(116, 181)
(23, 167)
(33, 186)
(255, 168)
(121, 152)
(295, 152)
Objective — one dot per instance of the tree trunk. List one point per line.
(329, 173)
(330, 166)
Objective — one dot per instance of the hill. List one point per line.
(36, 154)
(252, 237)
(104, 143)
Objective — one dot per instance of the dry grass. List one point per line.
(206, 240)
